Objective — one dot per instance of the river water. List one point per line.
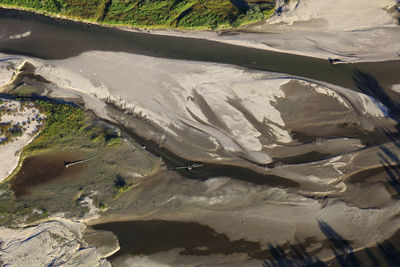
(59, 39)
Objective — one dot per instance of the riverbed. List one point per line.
(262, 150)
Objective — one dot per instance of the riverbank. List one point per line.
(188, 14)
(62, 39)
(297, 32)
(322, 29)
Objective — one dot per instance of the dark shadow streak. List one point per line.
(298, 257)
(240, 4)
(392, 170)
(390, 253)
(368, 85)
(344, 253)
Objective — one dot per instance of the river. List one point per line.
(52, 38)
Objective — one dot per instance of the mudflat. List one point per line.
(44, 168)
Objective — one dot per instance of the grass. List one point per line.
(183, 14)
(66, 123)
(71, 8)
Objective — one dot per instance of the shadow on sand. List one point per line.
(344, 254)
(384, 253)
(370, 86)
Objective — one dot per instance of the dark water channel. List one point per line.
(44, 168)
(149, 237)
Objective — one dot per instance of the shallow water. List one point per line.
(149, 237)
(44, 168)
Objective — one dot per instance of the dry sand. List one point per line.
(349, 30)
(54, 242)
(18, 115)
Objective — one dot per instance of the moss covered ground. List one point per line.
(68, 124)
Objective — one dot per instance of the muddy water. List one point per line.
(59, 39)
(192, 239)
(44, 168)
(149, 237)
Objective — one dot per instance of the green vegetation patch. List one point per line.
(67, 125)
(192, 14)
(86, 9)
(120, 186)
(167, 13)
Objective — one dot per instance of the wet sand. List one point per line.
(208, 169)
